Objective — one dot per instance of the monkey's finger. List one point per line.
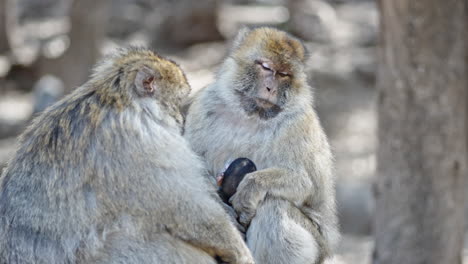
(235, 201)
(244, 210)
(231, 212)
(233, 217)
(241, 229)
(240, 203)
(245, 218)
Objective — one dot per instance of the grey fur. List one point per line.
(104, 176)
(290, 200)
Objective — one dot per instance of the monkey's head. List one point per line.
(265, 71)
(141, 78)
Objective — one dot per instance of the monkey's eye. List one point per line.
(264, 65)
(283, 74)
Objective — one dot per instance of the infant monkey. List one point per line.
(105, 176)
(232, 176)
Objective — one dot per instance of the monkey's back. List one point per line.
(63, 191)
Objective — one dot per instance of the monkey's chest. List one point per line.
(229, 142)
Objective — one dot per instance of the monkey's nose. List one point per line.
(270, 90)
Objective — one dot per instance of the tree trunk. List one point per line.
(88, 18)
(422, 135)
(3, 32)
(184, 22)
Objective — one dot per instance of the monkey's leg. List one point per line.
(121, 249)
(275, 238)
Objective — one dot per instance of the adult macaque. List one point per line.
(104, 176)
(260, 107)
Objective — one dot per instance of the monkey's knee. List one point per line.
(300, 246)
(281, 240)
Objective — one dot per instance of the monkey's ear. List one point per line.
(240, 37)
(145, 81)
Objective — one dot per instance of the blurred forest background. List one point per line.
(47, 48)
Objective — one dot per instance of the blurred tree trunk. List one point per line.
(184, 22)
(466, 116)
(88, 18)
(422, 135)
(3, 33)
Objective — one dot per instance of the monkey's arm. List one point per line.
(291, 185)
(211, 181)
(233, 217)
(231, 213)
(206, 226)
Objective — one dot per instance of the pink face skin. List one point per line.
(270, 78)
(219, 179)
(220, 175)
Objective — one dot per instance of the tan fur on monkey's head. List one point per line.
(271, 43)
(139, 73)
(265, 73)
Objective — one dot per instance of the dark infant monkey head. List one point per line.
(232, 176)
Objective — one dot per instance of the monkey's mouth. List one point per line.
(254, 105)
(263, 108)
(264, 103)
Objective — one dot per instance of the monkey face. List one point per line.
(269, 71)
(267, 93)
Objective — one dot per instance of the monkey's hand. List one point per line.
(291, 185)
(232, 214)
(247, 198)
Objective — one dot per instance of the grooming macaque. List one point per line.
(232, 176)
(260, 107)
(105, 176)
